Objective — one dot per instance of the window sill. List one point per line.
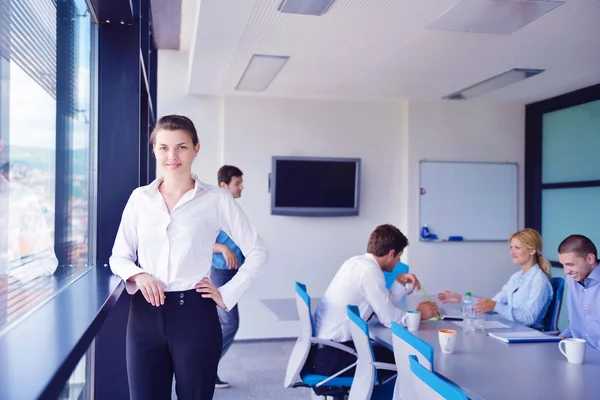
(38, 355)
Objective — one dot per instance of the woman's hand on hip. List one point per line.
(209, 291)
(151, 288)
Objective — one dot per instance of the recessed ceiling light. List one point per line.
(500, 17)
(494, 83)
(260, 72)
(305, 7)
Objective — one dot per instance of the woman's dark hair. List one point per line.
(385, 238)
(175, 123)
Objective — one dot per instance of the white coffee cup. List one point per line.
(573, 349)
(411, 320)
(447, 340)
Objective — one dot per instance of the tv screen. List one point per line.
(305, 186)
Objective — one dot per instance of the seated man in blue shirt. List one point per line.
(579, 258)
(227, 258)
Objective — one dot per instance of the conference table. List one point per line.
(489, 369)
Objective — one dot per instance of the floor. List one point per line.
(256, 371)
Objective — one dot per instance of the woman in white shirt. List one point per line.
(527, 294)
(163, 252)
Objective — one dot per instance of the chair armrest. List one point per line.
(331, 343)
(385, 366)
(552, 333)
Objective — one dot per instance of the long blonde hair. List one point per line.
(531, 239)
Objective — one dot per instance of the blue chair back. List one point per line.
(365, 374)
(433, 383)
(354, 316)
(297, 373)
(303, 295)
(553, 313)
(390, 277)
(416, 343)
(405, 344)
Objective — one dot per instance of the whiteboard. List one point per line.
(475, 200)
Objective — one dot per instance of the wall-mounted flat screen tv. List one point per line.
(315, 186)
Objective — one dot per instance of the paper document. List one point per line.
(524, 337)
(486, 324)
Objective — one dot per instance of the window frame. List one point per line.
(534, 186)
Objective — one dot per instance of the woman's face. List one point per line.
(519, 253)
(174, 151)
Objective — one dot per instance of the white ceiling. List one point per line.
(166, 23)
(380, 49)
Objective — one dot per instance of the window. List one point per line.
(570, 164)
(570, 145)
(46, 151)
(563, 168)
(569, 211)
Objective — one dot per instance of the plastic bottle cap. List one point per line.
(468, 294)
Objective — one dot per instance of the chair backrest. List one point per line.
(553, 313)
(366, 374)
(430, 386)
(390, 277)
(405, 344)
(303, 344)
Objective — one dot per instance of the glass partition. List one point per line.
(569, 211)
(570, 144)
(570, 186)
(47, 151)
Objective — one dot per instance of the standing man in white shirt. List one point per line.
(163, 252)
(360, 281)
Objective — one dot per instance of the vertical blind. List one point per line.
(28, 38)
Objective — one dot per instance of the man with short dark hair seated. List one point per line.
(360, 281)
(579, 258)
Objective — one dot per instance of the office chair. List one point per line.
(405, 344)
(430, 386)
(390, 277)
(298, 373)
(365, 377)
(551, 319)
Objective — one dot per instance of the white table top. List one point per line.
(486, 368)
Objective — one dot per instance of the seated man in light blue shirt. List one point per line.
(579, 258)
(227, 258)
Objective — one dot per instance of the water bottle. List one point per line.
(468, 313)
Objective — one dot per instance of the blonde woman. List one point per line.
(527, 294)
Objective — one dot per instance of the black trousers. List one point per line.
(182, 338)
